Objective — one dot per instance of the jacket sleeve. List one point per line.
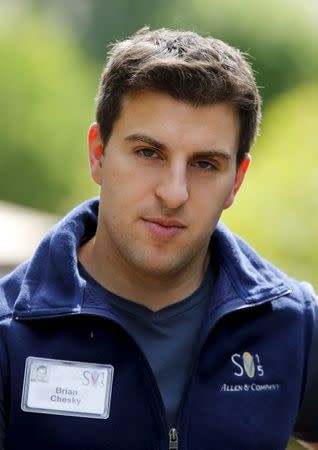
(306, 426)
(3, 388)
(2, 413)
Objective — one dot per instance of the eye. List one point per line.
(204, 165)
(147, 153)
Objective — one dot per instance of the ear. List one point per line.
(95, 152)
(239, 177)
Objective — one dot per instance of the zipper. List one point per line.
(173, 433)
(173, 439)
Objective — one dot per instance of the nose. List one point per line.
(172, 188)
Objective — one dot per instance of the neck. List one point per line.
(119, 278)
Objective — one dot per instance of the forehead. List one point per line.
(177, 123)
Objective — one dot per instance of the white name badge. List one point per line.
(67, 388)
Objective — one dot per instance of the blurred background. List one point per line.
(51, 56)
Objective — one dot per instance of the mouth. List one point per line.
(163, 228)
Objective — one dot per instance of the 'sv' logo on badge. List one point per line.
(94, 377)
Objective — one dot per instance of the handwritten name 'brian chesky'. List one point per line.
(64, 395)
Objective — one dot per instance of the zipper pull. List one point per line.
(173, 439)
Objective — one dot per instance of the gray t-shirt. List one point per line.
(169, 338)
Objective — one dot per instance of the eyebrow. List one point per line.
(154, 143)
(146, 139)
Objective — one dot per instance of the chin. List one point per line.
(157, 267)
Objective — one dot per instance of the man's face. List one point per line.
(167, 172)
(41, 373)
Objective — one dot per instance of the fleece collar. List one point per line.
(52, 285)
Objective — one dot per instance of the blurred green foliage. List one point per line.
(293, 445)
(277, 207)
(280, 35)
(50, 63)
(46, 91)
(54, 51)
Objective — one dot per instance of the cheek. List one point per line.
(205, 215)
(126, 189)
(211, 197)
(225, 187)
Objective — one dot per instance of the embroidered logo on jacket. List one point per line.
(248, 366)
(245, 363)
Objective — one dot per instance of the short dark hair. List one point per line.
(189, 67)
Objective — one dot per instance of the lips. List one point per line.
(165, 222)
(163, 228)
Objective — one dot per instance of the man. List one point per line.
(160, 329)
